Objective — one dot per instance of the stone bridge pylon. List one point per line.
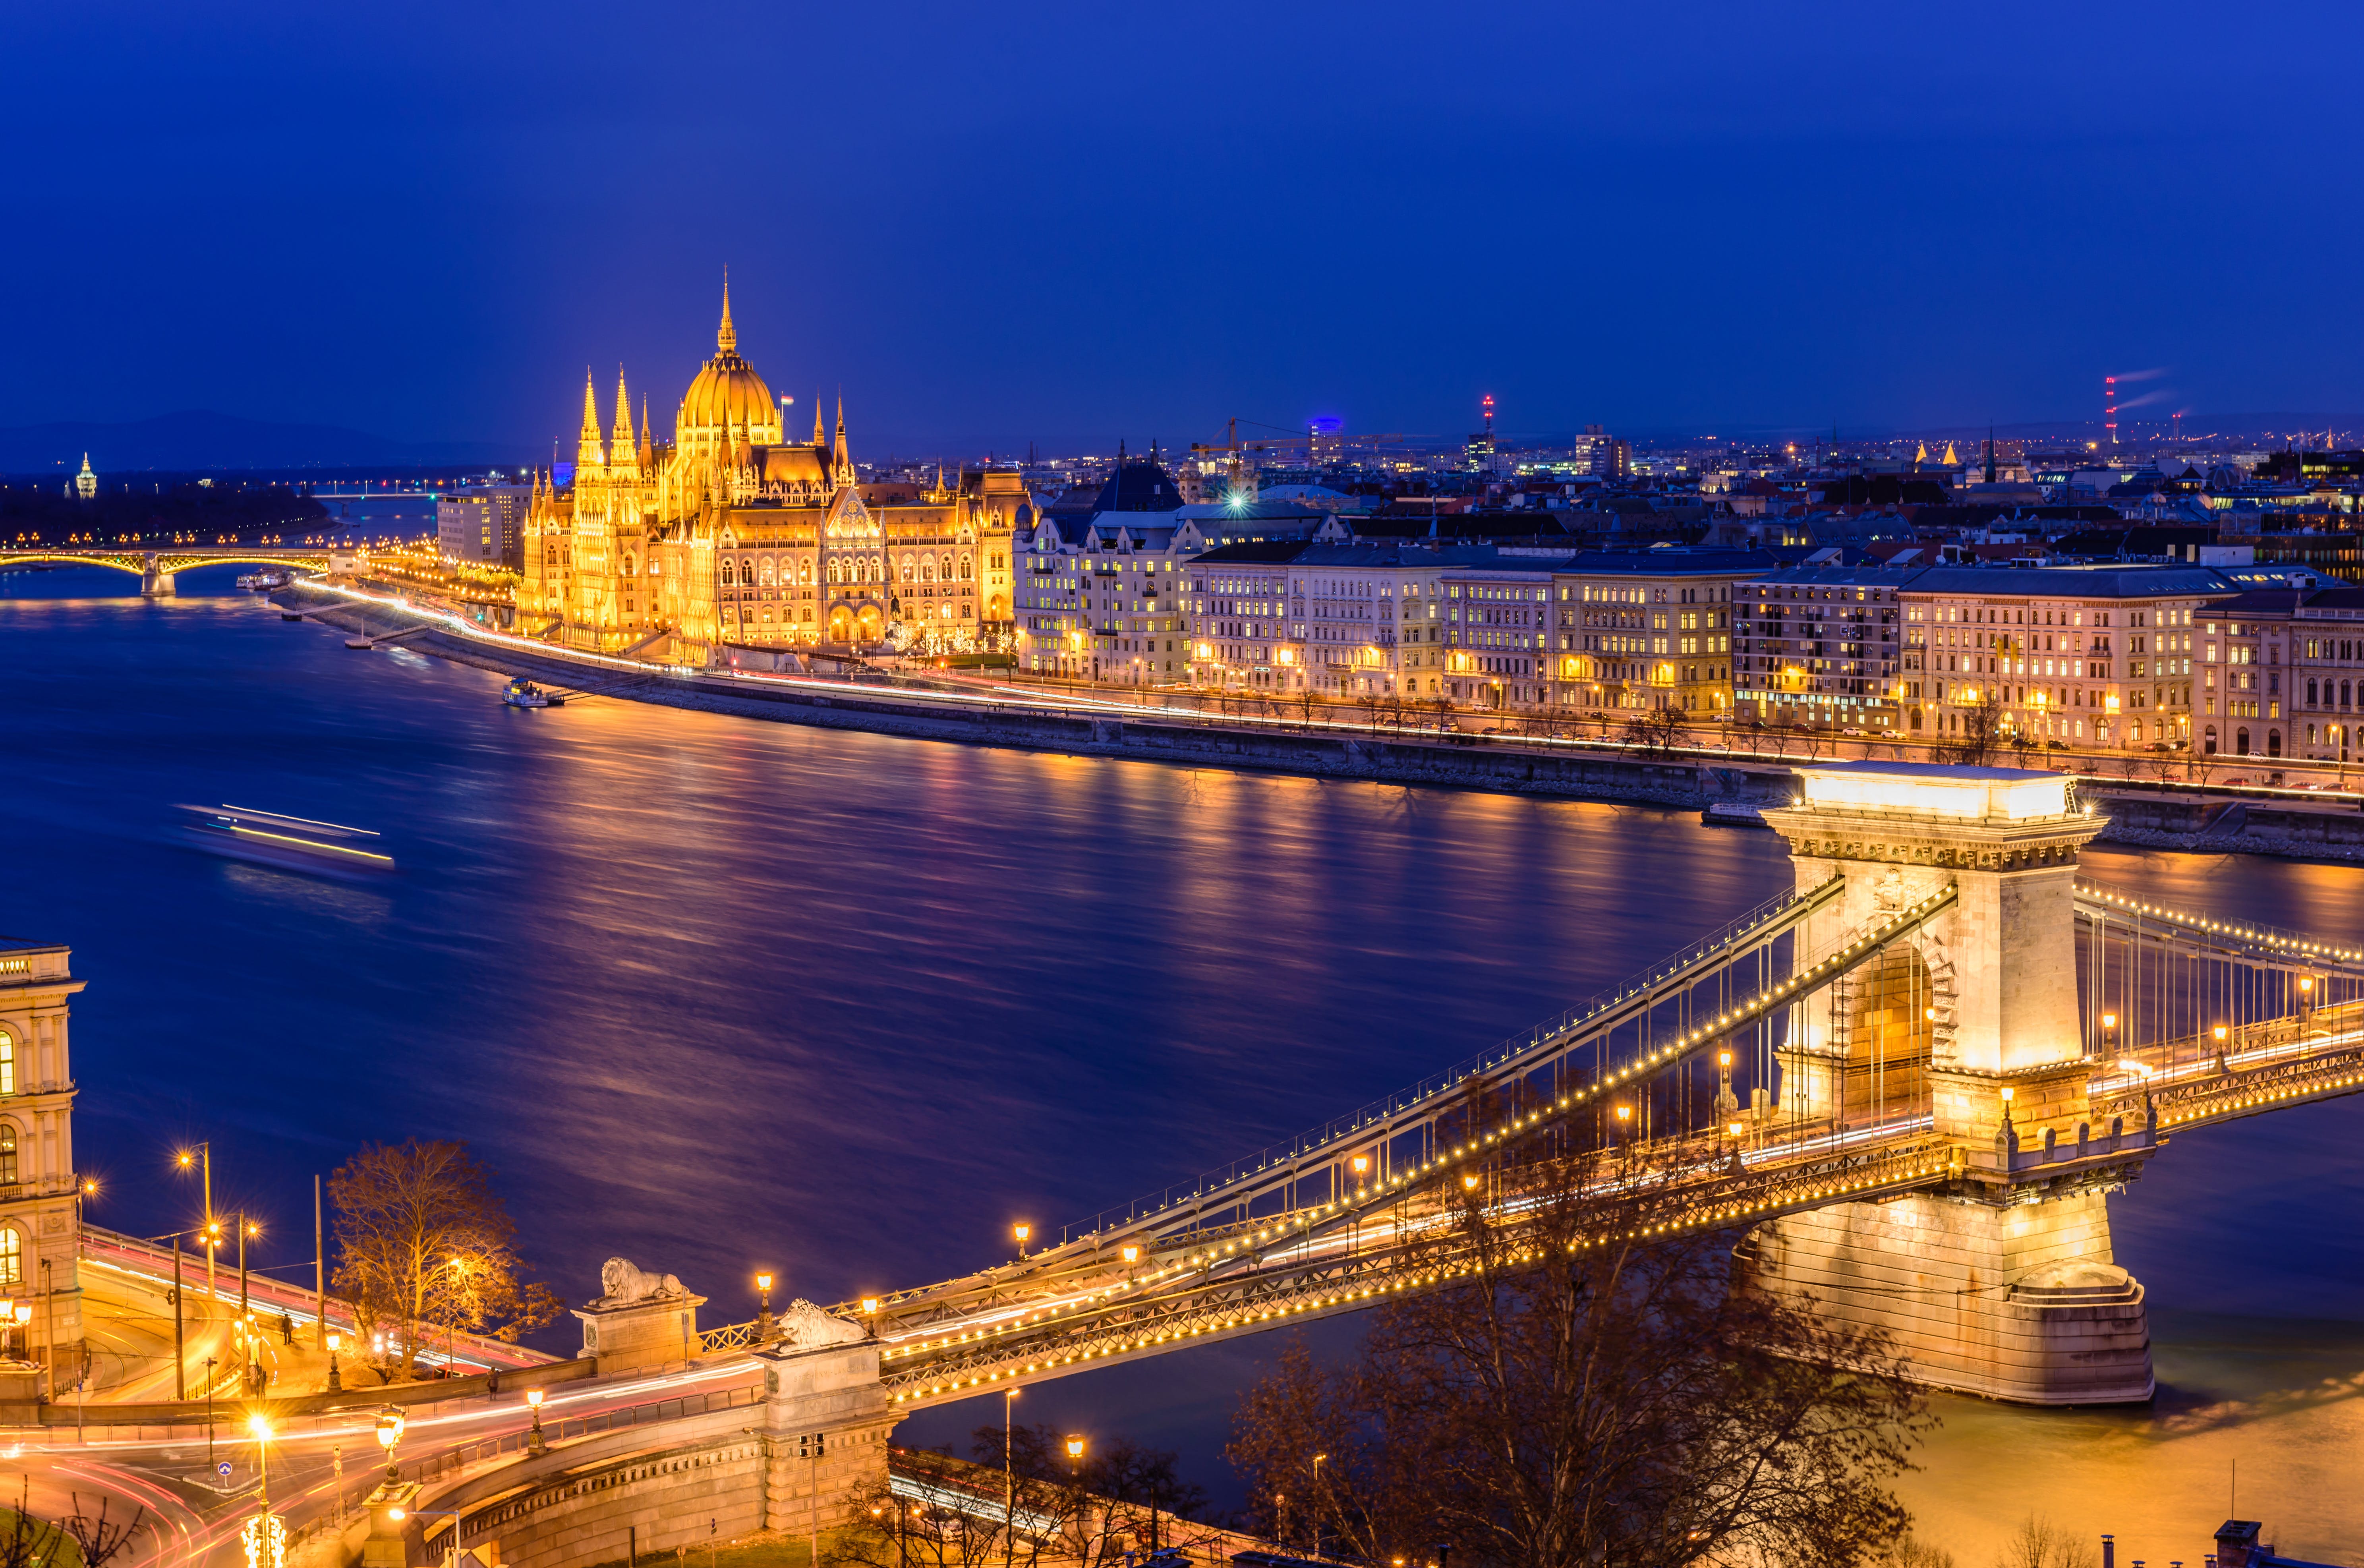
(2003, 1285)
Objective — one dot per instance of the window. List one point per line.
(12, 1257)
(7, 1063)
(7, 1153)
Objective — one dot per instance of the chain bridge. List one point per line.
(156, 568)
(1940, 1009)
(1905, 1087)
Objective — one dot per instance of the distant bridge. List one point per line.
(156, 568)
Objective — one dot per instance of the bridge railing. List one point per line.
(1733, 935)
(557, 1428)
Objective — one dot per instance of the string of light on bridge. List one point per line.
(1711, 1218)
(2225, 928)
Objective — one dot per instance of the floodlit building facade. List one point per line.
(730, 535)
(1648, 628)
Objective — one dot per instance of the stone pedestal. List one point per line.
(2016, 1301)
(826, 1418)
(650, 1332)
(392, 1523)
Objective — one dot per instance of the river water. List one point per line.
(719, 995)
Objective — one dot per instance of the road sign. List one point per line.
(222, 1470)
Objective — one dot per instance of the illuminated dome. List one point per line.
(726, 397)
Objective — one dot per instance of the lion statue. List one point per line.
(805, 1326)
(625, 1284)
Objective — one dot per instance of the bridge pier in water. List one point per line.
(155, 583)
(2003, 1285)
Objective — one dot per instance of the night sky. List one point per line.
(1068, 223)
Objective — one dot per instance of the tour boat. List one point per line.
(522, 693)
(263, 580)
(288, 844)
(1731, 814)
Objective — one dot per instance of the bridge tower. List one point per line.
(2003, 1285)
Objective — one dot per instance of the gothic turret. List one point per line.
(588, 453)
(648, 453)
(620, 443)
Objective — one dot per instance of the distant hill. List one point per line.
(199, 439)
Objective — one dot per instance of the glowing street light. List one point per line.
(534, 1441)
(1022, 1232)
(389, 1434)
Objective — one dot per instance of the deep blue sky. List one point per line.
(1070, 222)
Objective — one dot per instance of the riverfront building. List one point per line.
(2281, 673)
(40, 1213)
(1647, 629)
(730, 534)
(2090, 656)
(484, 524)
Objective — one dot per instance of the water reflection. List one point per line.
(714, 995)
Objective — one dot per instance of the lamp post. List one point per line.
(246, 1227)
(1022, 1232)
(261, 1429)
(202, 1156)
(1009, 1480)
(534, 1441)
(335, 1380)
(389, 1433)
(763, 1316)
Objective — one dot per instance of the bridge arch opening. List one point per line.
(1890, 1015)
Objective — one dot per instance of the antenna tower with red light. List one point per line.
(2110, 407)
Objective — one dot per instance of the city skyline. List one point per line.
(1882, 221)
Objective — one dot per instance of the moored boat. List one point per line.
(522, 693)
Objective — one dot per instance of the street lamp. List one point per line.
(534, 1441)
(389, 1433)
(763, 1316)
(1022, 1232)
(261, 1429)
(336, 1379)
(202, 1156)
(1008, 1475)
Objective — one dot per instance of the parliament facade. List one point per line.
(729, 535)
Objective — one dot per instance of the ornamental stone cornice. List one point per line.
(1892, 838)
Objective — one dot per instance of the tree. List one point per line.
(2040, 1543)
(1581, 1397)
(97, 1542)
(1981, 732)
(1655, 728)
(422, 1238)
(1120, 1497)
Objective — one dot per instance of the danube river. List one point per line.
(714, 995)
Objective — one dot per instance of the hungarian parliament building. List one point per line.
(730, 534)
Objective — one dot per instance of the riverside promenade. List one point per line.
(2232, 816)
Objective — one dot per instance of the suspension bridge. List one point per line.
(1906, 1086)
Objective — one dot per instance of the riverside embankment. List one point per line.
(2224, 820)
(1319, 748)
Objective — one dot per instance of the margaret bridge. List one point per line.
(156, 568)
(1906, 1084)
